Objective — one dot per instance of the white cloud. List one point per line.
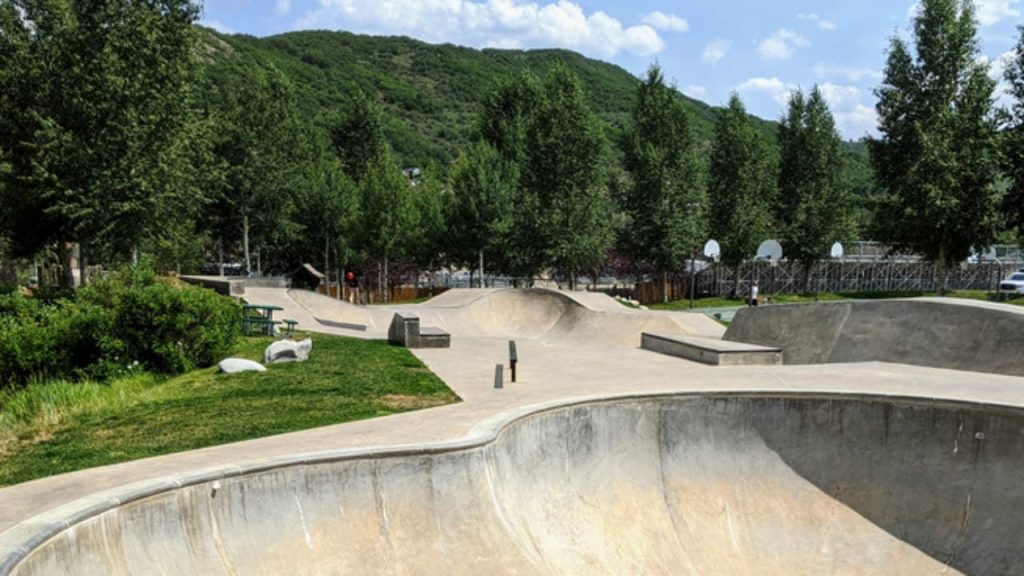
(850, 74)
(218, 26)
(777, 89)
(781, 44)
(667, 22)
(282, 7)
(818, 20)
(694, 91)
(516, 23)
(715, 51)
(857, 122)
(991, 12)
(853, 117)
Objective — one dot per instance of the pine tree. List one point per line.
(666, 202)
(815, 207)
(936, 158)
(742, 186)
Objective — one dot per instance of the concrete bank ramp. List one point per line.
(711, 485)
(552, 316)
(936, 332)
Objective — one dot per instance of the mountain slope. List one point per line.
(431, 92)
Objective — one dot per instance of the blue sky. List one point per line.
(709, 48)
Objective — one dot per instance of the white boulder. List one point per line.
(288, 351)
(235, 365)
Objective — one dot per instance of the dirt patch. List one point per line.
(407, 402)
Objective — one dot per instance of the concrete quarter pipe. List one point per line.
(711, 485)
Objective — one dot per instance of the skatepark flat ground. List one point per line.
(550, 369)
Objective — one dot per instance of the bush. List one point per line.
(40, 340)
(124, 322)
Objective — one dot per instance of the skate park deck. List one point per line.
(747, 440)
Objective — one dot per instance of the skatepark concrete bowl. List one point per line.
(710, 484)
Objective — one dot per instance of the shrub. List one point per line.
(124, 322)
(166, 328)
(39, 340)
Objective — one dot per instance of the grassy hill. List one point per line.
(432, 92)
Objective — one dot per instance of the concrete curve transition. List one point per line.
(603, 458)
(943, 333)
(684, 484)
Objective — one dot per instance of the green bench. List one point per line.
(289, 327)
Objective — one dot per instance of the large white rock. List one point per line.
(235, 365)
(288, 351)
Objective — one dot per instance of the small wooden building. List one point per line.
(307, 277)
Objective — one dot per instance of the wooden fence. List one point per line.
(396, 294)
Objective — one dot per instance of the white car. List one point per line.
(1013, 283)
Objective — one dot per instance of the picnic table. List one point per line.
(259, 319)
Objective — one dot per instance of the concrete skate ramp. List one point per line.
(555, 317)
(942, 333)
(710, 485)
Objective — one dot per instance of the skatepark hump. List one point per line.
(567, 318)
(710, 485)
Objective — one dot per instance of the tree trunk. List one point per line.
(327, 259)
(807, 278)
(942, 269)
(245, 242)
(220, 256)
(83, 276)
(67, 274)
(386, 283)
(736, 280)
(482, 283)
(664, 287)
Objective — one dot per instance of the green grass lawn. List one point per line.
(59, 427)
(703, 303)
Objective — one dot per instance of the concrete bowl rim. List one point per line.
(19, 541)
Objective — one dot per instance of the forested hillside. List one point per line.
(430, 93)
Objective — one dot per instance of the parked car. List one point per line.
(1013, 283)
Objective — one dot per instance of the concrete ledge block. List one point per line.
(711, 351)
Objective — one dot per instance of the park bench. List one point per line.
(405, 331)
(711, 351)
(289, 326)
(259, 319)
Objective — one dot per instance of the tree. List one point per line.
(481, 211)
(936, 158)
(428, 242)
(1013, 139)
(564, 170)
(327, 213)
(742, 186)
(261, 146)
(99, 104)
(666, 201)
(358, 136)
(815, 207)
(507, 113)
(388, 213)
(504, 123)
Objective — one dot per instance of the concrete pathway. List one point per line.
(547, 372)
